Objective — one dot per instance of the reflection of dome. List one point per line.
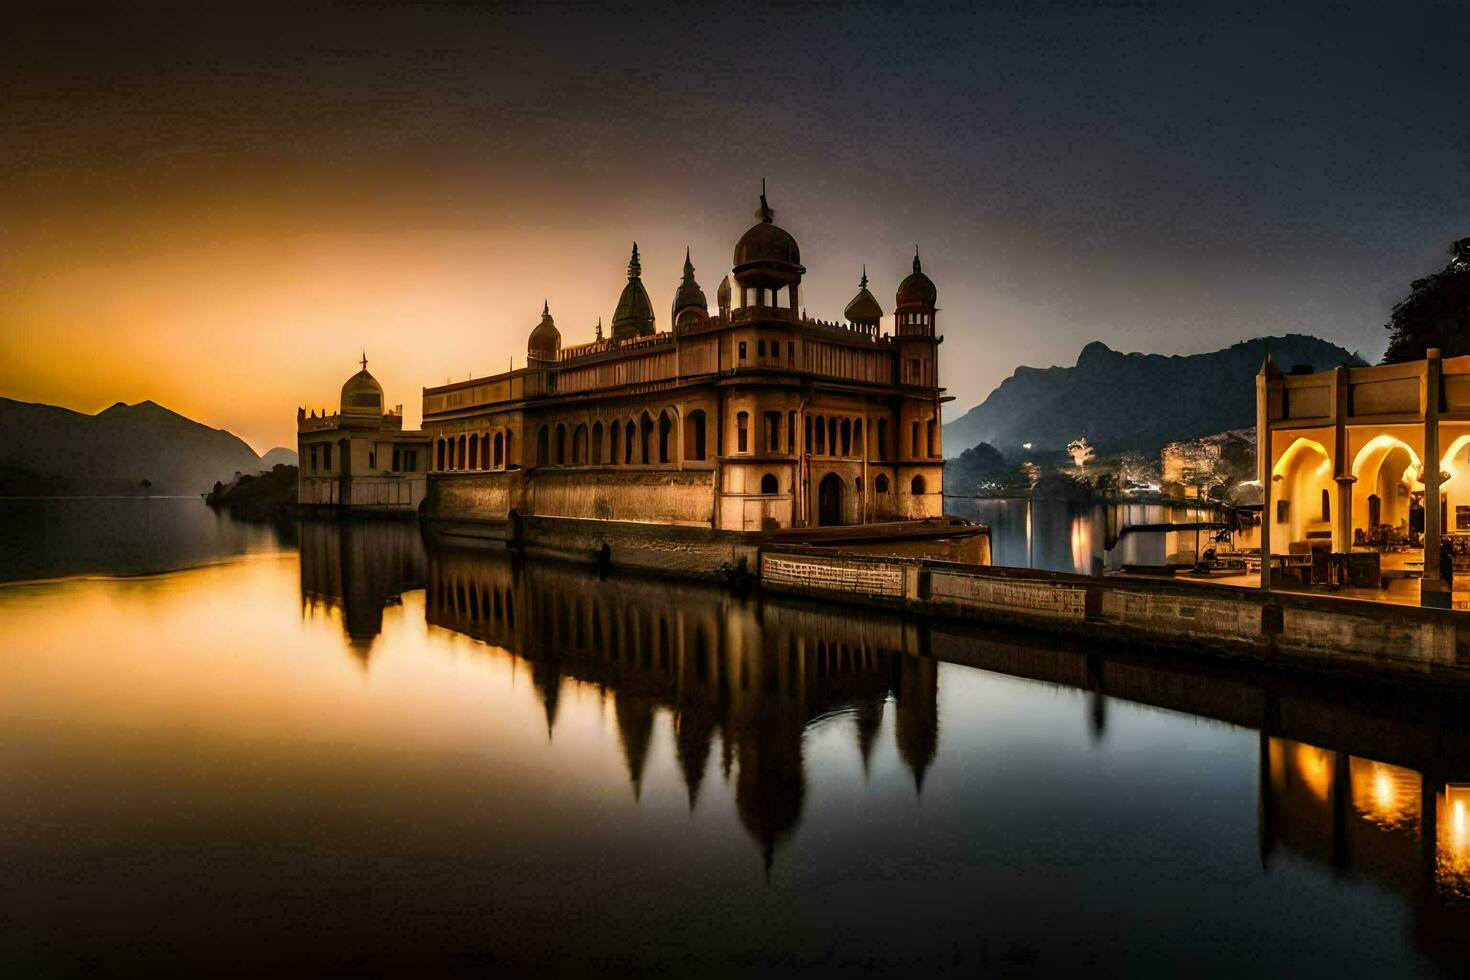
(362, 395)
(864, 307)
(634, 315)
(917, 291)
(545, 342)
(766, 255)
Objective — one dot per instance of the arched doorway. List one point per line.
(1300, 476)
(829, 501)
(1386, 475)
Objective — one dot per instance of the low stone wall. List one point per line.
(610, 494)
(1315, 632)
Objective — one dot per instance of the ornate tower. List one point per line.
(545, 343)
(864, 310)
(634, 315)
(690, 306)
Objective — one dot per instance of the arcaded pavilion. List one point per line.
(1342, 455)
(360, 456)
(753, 417)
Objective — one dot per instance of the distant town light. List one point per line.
(1025, 445)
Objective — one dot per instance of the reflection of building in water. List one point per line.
(1398, 826)
(755, 676)
(359, 566)
(360, 456)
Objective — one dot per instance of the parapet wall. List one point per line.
(1320, 633)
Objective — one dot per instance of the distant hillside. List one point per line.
(279, 456)
(50, 450)
(1132, 401)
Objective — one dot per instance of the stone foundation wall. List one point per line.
(1322, 633)
(660, 497)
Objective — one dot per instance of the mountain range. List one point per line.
(47, 450)
(1123, 401)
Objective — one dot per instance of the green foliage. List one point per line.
(982, 469)
(1436, 313)
(260, 496)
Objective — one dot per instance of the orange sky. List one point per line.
(238, 330)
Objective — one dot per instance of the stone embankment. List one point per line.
(1320, 633)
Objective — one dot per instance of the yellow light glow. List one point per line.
(1385, 795)
(1314, 768)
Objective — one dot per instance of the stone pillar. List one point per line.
(1342, 525)
(1263, 468)
(1433, 590)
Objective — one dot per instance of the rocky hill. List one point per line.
(1132, 401)
(49, 450)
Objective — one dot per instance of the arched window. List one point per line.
(596, 456)
(460, 461)
(484, 451)
(509, 447)
(645, 441)
(630, 436)
(499, 450)
(742, 432)
(543, 446)
(769, 483)
(832, 436)
(474, 451)
(880, 484)
(918, 485)
(694, 435)
(579, 446)
(665, 435)
(615, 442)
(847, 437)
(439, 454)
(857, 437)
(821, 446)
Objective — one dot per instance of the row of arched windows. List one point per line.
(473, 451)
(643, 440)
(769, 484)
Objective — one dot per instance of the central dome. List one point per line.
(766, 255)
(361, 394)
(545, 341)
(916, 291)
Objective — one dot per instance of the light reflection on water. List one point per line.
(392, 758)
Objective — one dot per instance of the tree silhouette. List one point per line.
(1436, 313)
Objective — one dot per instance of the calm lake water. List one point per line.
(331, 747)
(1068, 536)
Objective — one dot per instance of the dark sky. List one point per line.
(1170, 177)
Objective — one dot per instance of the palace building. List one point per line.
(360, 457)
(751, 417)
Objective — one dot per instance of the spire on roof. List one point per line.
(863, 282)
(917, 268)
(364, 359)
(635, 268)
(765, 213)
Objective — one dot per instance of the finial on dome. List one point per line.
(545, 308)
(364, 359)
(916, 259)
(635, 268)
(863, 282)
(688, 264)
(599, 328)
(765, 213)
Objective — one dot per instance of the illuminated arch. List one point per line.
(1289, 457)
(1375, 450)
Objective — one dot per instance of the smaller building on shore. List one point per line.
(360, 457)
(1368, 460)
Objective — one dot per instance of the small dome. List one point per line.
(634, 314)
(545, 342)
(767, 255)
(864, 307)
(362, 395)
(689, 297)
(917, 290)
